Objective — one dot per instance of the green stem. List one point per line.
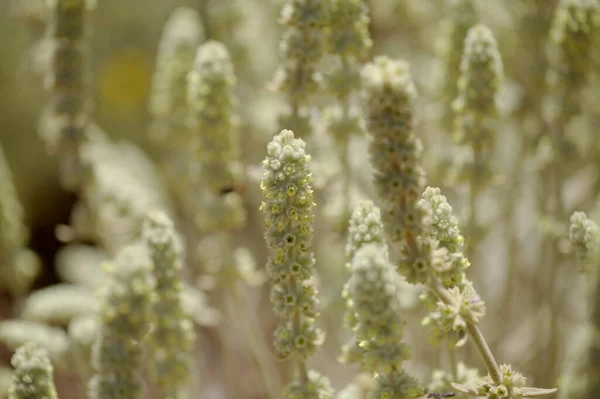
(485, 353)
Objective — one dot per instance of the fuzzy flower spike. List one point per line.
(288, 211)
(172, 337)
(66, 119)
(373, 308)
(301, 47)
(348, 39)
(168, 105)
(389, 103)
(462, 15)
(475, 106)
(574, 29)
(168, 101)
(125, 317)
(212, 101)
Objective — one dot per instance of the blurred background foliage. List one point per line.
(506, 254)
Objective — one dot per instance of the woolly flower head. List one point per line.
(481, 72)
(465, 307)
(212, 101)
(126, 301)
(125, 319)
(389, 102)
(33, 378)
(583, 234)
(348, 30)
(510, 387)
(158, 232)
(172, 338)
(287, 207)
(375, 309)
(365, 227)
(168, 103)
(301, 47)
(305, 19)
(573, 31)
(442, 225)
(426, 261)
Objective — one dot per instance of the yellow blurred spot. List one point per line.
(125, 82)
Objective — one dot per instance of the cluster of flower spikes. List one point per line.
(168, 104)
(347, 37)
(288, 212)
(65, 121)
(34, 373)
(475, 105)
(464, 306)
(461, 17)
(212, 105)
(301, 48)
(373, 308)
(125, 316)
(172, 336)
(574, 31)
(430, 247)
(459, 308)
(389, 102)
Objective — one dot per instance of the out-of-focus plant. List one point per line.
(574, 31)
(374, 309)
(579, 379)
(20, 266)
(34, 374)
(172, 334)
(168, 105)
(475, 110)
(301, 47)
(348, 39)
(65, 122)
(461, 16)
(126, 314)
